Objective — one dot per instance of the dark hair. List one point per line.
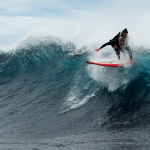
(125, 31)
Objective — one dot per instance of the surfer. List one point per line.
(125, 45)
(119, 43)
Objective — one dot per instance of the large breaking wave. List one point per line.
(47, 90)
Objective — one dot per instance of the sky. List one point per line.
(84, 22)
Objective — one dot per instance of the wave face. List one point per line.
(47, 90)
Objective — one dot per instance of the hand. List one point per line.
(132, 63)
(97, 49)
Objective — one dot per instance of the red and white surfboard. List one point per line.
(105, 64)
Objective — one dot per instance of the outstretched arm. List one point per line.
(108, 43)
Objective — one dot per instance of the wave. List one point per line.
(46, 81)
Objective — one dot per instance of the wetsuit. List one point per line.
(124, 47)
(117, 36)
(113, 43)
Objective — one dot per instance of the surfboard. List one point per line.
(106, 64)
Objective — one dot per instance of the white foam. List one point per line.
(109, 77)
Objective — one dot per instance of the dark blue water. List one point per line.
(51, 99)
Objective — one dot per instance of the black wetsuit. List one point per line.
(117, 36)
(113, 43)
(124, 47)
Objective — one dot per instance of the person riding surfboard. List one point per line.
(119, 43)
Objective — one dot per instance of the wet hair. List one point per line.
(125, 31)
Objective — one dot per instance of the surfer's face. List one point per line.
(125, 35)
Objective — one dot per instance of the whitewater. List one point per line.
(50, 98)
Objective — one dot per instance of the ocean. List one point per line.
(51, 99)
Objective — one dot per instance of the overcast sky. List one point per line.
(74, 19)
